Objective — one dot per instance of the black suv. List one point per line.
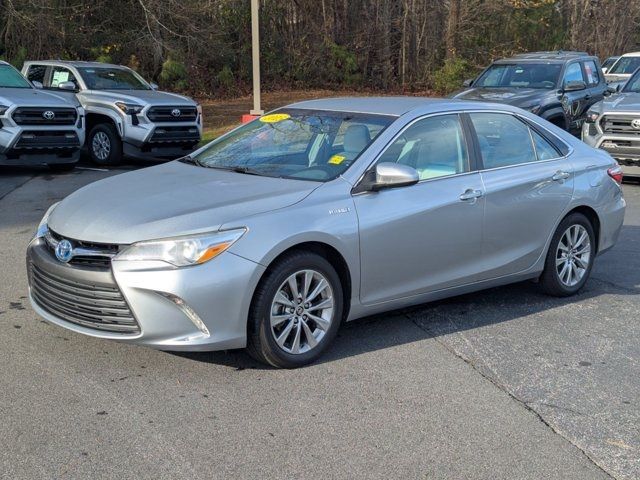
(558, 86)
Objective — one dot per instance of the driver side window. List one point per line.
(434, 146)
(60, 75)
(573, 73)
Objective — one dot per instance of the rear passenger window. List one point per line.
(36, 73)
(504, 140)
(544, 149)
(592, 73)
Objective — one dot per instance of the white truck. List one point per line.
(36, 127)
(125, 115)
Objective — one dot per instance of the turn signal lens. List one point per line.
(616, 174)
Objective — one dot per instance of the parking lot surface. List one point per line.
(505, 383)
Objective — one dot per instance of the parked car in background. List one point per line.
(606, 65)
(36, 127)
(125, 114)
(558, 86)
(614, 126)
(622, 70)
(323, 211)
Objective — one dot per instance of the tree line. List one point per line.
(203, 47)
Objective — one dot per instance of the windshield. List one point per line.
(625, 65)
(520, 75)
(111, 79)
(633, 84)
(303, 144)
(11, 78)
(609, 61)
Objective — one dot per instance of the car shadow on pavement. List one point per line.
(456, 314)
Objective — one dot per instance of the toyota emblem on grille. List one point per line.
(48, 115)
(64, 251)
(176, 112)
(635, 123)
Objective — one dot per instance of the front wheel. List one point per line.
(296, 311)
(570, 257)
(105, 146)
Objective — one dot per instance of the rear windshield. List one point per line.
(11, 78)
(625, 65)
(103, 78)
(303, 144)
(520, 75)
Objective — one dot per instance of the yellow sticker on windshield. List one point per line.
(275, 117)
(336, 159)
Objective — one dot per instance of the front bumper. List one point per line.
(162, 300)
(624, 148)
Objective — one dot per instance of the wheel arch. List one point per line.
(593, 218)
(329, 253)
(96, 118)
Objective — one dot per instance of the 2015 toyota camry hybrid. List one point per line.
(322, 212)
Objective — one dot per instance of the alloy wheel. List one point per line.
(573, 255)
(101, 145)
(302, 311)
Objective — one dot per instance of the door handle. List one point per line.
(560, 175)
(587, 97)
(470, 194)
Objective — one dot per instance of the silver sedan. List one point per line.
(322, 212)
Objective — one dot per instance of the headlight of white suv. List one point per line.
(43, 227)
(183, 251)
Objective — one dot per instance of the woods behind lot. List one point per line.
(203, 47)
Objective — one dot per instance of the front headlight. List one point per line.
(533, 109)
(592, 116)
(43, 227)
(183, 251)
(129, 108)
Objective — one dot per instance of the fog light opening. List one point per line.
(188, 311)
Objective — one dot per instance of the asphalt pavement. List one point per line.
(501, 384)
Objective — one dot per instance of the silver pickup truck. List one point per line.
(614, 125)
(125, 115)
(36, 127)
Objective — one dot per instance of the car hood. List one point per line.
(169, 200)
(30, 97)
(622, 102)
(142, 97)
(512, 96)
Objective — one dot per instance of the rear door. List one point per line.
(528, 184)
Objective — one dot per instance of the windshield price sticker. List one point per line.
(275, 117)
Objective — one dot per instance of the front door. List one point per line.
(576, 102)
(427, 236)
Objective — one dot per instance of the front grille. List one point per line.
(94, 306)
(102, 262)
(175, 134)
(619, 125)
(42, 116)
(169, 114)
(40, 139)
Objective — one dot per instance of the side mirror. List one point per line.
(468, 82)
(574, 86)
(37, 84)
(67, 86)
(388, 175)
(154, 86)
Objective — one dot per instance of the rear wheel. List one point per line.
(570, 257)
(296, 311)
(105, 146)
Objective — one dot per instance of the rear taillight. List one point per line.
(616, 174)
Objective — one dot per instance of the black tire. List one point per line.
(261, 342)
(61, 167)
(105, 132)
(550, 281)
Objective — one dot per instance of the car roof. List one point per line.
(395, 106)
(76, 63)
(631, 54)
(559, 56)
